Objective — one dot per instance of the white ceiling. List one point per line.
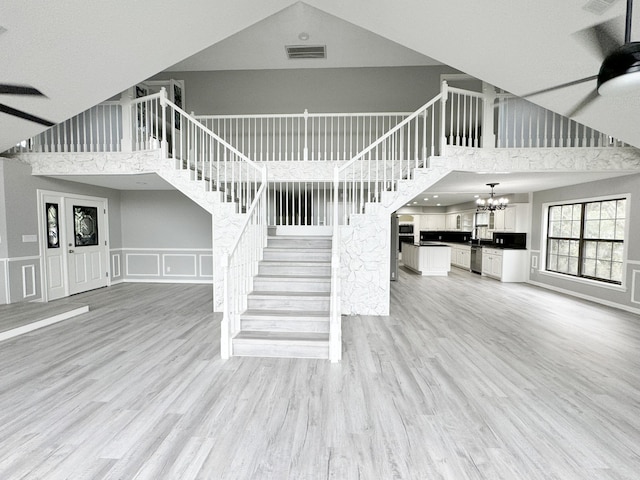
(80, 53)
(262, 46)
(462, 187)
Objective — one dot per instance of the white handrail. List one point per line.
(210, 159)
(240, 265)
(390, 158)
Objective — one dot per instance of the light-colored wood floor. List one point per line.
(467, 379)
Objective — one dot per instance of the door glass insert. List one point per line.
(53, 233)
(85, 226)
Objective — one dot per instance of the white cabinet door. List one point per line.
(465, 258)
(451, 221)
(496, 266)
(510, 219)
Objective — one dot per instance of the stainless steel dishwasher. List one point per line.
(476, 258)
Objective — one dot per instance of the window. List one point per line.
(587, 239)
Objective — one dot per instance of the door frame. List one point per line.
(42, 237)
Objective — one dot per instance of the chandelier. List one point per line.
(490, 204)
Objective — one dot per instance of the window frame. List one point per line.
(580, 277)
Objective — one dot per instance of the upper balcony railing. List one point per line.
(467, 119)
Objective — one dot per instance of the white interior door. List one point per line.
(87, 250)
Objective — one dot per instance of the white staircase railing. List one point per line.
(241, 265)
(98, 129)
(304, 136)
(198, 150)
(335, 306)
(390, 158)
(522, 124)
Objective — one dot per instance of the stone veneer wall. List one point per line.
(365, 269)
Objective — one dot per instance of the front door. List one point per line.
(86, 244)
(74, 247)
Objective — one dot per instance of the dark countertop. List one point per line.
(430, 244)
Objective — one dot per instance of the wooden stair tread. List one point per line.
(290, 294)
(253, 313)
(297, 337)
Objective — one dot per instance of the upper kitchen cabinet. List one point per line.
(514, 218)
(435, 221)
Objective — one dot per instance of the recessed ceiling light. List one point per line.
(435, 196)
(415, 202)
(408, 204)
(303, 36)
(476, 196)
(437, 204)
(426, 199)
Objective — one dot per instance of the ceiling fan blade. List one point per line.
(586, 101)
(27, 116)
(19, 90)
(558, 87)
(603, 38)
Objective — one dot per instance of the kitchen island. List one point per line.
(427, 258)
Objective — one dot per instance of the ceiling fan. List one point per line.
(7, 89)
(619, 73)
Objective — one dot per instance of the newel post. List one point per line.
(224, 325)
(163, 105)
(126, 144)
(488, 112)
(305, 153)
(443, 117)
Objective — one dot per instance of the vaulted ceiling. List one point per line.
(81, 53)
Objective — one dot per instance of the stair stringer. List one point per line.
(196, 190)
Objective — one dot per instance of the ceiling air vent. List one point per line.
(295, 52)
(598, 6)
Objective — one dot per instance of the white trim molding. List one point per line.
(25, 284)
(586, 297)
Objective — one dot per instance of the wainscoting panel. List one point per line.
(180, 265)
(206, 266)
(116, 269)
(170, 265)
(142, 264)
(4, 282)
(22, 277)
(635, 286)
(29, 281)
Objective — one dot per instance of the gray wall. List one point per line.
(318, 90)
(166, 238)
(20, 210)
(163, 219)
(621, 185)
(21, 207)
(3, 219)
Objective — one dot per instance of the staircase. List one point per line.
(288, 310)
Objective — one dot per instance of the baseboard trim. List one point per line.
(582, 296)
(154, 280)
(43, 323)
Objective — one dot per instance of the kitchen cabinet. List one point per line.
(434, 221)
(505, 265)
(461, 256)
(428, 260)
(492, 262)
(514, 218)
(453, 221)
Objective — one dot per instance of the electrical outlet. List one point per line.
(168, 269)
